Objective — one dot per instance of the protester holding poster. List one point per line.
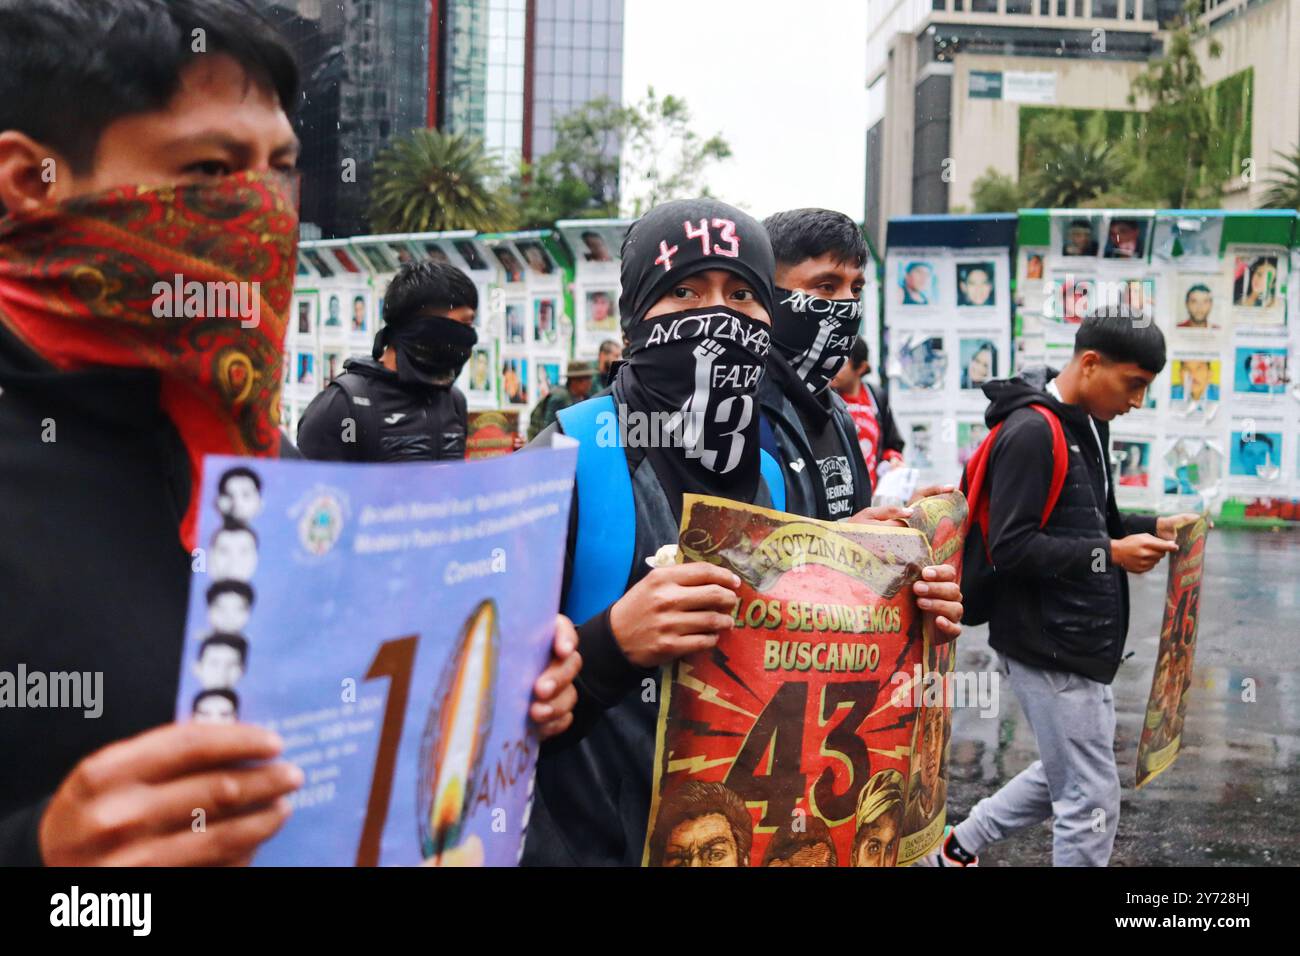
(696, 305)
(1059, 594)
(1162, 729)
(101, 525)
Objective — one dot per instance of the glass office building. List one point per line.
(365, 80)
(577, 57)
(483, 83)
(512, 67)
(373, 70)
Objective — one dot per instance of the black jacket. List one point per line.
(591, 802)
(783, 435)
(400, 423)
(1059, 602)
(94, 481)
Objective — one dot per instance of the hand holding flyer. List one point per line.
(388, 621)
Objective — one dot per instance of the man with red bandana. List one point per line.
(147, 249)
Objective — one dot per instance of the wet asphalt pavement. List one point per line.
(1231, 796)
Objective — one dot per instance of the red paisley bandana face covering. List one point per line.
(191, 281)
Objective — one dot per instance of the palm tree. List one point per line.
(432, 181)
(1068, 174)
(1284, 187)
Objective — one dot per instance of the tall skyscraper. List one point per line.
(365, 72)
(577, 56)
(512, 67)
(373, 70)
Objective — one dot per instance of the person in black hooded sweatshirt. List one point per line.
(1060, 593)
(695, 306)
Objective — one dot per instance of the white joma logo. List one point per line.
(394, 418)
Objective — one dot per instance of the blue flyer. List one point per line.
(388, 621)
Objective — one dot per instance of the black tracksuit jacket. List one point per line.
(409, 423)
(1059, 603)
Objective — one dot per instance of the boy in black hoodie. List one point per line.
(402, 403)
(1060, 602)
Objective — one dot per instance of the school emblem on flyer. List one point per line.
(320, 521)
(792, 742)
(1162, 730)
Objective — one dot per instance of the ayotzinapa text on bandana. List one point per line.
(699, 368)
(702, 367)
(815, 334)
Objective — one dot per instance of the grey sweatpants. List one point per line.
(1074, 782)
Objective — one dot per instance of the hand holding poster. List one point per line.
(1167, 706)
(796, 740)
(388, 621)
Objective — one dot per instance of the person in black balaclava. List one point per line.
(409, 410)
(695, 306)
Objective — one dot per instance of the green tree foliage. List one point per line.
(431, 181)
(602, 144)
(1180, 153)
(663, 156)
(995, 192)
(1069, 159)
(1284, 184)
(1174, 155)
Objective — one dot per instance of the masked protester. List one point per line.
(409, 410)
(820, 257)
(696, 300)
(123, 361)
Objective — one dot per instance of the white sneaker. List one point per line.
(940, 856)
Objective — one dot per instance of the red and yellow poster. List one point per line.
(491, 433)
(1162, 731)
(797, 740)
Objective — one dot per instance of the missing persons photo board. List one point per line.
(388, 622)
(1217, 430)
(947, 308)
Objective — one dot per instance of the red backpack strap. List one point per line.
(973, 480)
(1060, 461)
